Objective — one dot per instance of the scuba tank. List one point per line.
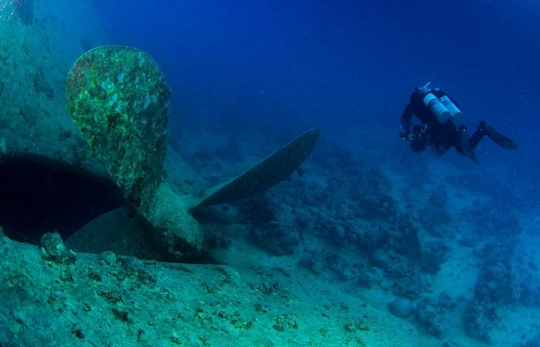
(442, 108)
(455, 112)
(437, 108)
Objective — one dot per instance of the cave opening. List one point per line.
(37, 197)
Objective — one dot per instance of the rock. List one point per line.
(434, 314)
(53, 249)
(401, 308)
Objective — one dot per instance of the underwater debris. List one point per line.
(275, 168)
(119, 100)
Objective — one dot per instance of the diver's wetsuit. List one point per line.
(442, 136)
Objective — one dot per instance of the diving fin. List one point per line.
(469, 153)
(498, 138)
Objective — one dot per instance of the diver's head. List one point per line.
(423, 89)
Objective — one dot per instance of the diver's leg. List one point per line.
(475, 139)
(440, 138)
(489, 131)
(463, 145)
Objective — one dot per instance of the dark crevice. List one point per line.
(38, 197)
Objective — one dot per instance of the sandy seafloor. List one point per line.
(458, 275)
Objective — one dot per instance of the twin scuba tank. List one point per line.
(442, 108)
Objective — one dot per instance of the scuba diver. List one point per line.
(439, 114)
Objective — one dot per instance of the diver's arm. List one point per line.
(406, 119)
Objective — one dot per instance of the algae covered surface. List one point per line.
(36, 53)
(119, 99)
(111, 300)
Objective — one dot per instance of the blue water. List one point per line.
(344, 64)
(348, 68)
